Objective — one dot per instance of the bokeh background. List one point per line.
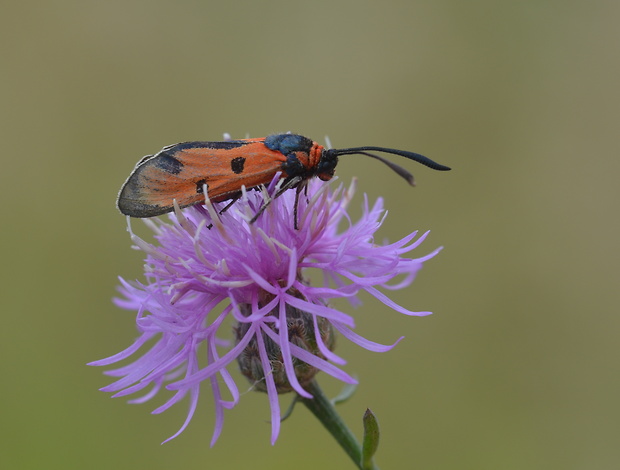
(518, 366)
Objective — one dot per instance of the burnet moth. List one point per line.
(181, 171)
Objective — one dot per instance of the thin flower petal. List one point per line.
(390, 303)
(285, 348)
(363, 342)
(123, 354)
(272, 393)
(320, 310)
(212, 368)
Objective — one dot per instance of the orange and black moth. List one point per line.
(180, 172)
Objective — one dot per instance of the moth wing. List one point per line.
(180, 172)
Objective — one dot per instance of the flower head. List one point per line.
(207, 269)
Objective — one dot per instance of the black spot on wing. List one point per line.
(237, 164)
(200, 185)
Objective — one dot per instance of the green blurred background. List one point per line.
(517, 368)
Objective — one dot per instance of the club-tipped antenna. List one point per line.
(416, 157)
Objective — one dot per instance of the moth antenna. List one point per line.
(399, 170)
(416, 157)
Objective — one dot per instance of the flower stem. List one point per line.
(326, 413)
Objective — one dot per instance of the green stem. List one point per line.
(324, 410)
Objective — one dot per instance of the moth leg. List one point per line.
(233, 199)
(293, 182)
(301, 187)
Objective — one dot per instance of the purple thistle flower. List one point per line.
(207, 268)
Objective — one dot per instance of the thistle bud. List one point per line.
(301, 332)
